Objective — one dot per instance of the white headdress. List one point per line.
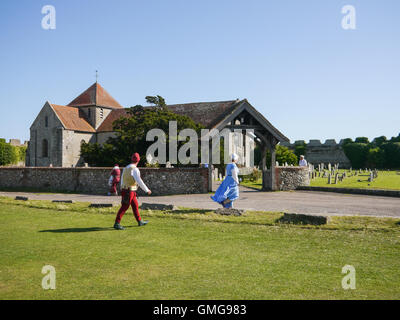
(234, 157)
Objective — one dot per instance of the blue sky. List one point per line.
(291, 59)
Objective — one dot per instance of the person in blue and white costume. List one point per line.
(228, 191)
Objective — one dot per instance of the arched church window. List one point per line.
(46, 121)
(89, 114)
(45, 148)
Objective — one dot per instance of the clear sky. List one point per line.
(292, 60)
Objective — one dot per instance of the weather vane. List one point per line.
(96, 76)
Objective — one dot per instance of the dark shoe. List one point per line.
(142, 223)
(118, 226)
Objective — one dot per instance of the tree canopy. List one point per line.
(131, 134)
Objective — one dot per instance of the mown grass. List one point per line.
(192, 254)
(387, 180)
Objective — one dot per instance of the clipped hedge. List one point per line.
(10, 154)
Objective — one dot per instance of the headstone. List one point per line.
(63, 201)
(21, 198)
(295, 218)
(229, 211)
(220, 176)
(101, 205)
(157, 206)
(329, 167)
(277, 163)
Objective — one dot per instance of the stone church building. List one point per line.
(58, 131)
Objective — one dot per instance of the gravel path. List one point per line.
(307, 202)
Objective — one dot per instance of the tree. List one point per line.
(282, 155)
(300, 149)
(391, 155)
(379, 141)
(131, 133)
(347, 141)
(10, 154)
(362, 140)
(395, 139)
(375, 158)
(357, 154)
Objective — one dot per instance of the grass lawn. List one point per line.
(192, 254)
(386, 180)
(389, 180)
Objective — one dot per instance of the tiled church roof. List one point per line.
(95, 95)
(72, 118)
(206, 113)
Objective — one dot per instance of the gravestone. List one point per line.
(101, 205)
(157, 206)
(229, 211)
(21, 198)
(371, 177)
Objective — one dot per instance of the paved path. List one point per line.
(310, 202)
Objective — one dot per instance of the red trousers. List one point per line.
(128, 199)
(113, 188)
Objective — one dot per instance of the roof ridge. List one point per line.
(221, 101)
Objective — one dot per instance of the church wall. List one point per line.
(96, 116)
(52, 133)
(71, 147)
(100, 115)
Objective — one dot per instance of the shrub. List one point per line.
(357, 154)
(376, 158)
(362, 140)
(391, 155)
(255, 175)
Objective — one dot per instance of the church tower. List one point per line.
(96, 104)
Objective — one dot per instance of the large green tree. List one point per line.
(282, 155)
(131, 134)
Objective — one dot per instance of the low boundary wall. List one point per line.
(369, 192)
(290, 178)
(161, 181)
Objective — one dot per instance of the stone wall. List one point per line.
(289, 178)
(71, 147)
(162, 181)
(38, 133)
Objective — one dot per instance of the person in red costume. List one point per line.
(116, 176)
(129, 184)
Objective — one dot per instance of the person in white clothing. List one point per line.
(302, 162)
(130, 181)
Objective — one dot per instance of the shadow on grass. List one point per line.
(72, 230)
